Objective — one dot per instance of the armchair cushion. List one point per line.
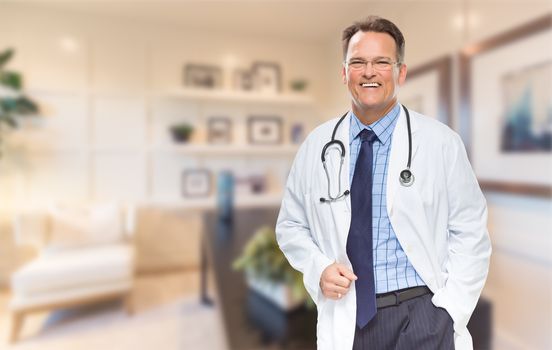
(75, 268)
(73, 227)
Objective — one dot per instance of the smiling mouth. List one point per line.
(370, 85)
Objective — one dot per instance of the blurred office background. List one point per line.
(143, 104)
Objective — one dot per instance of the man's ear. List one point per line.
(343, 74)
(402, 74)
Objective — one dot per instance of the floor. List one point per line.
(168, 316)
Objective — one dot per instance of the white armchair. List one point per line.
(86, 255)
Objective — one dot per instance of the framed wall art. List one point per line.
(202, 76)
(427, 89)
(219, 130)
(196, 183)
(267, 77)
(264, 130)
(506, 109)
(243, 80)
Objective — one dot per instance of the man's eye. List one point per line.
(357, 64)
(383, 63)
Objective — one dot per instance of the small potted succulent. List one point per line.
(181, 132)
(269, 274)
(299, 85)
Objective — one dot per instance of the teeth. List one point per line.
(370, 85)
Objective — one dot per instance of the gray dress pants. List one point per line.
(415, 324)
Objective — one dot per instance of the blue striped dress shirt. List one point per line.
(392, 270)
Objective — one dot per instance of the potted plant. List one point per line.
(181, 132)
(13, 103)
(299, 85)
(268, 272)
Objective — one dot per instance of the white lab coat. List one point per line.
(440, 222)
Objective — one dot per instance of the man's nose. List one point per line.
(369, 68)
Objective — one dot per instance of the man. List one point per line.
(391, 263)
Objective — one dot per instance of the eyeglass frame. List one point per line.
(372, 62)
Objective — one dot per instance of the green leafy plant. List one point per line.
(182, 132)
(13, 103)
(299, 85)
(263, 259)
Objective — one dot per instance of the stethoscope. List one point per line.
(406, 178)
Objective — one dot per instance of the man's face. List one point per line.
(379, 91)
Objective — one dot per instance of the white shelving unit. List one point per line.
(239, 153)
(233, 96)
(241, 200)
(227, 150)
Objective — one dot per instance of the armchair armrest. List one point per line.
(129, 213)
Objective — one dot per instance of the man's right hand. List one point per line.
(336, 280)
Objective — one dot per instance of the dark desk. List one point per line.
(250, 321)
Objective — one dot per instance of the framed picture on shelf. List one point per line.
(267, 77)
(243, 80)
(264, 130)
(219, 130)
(196, 183)
(505, 117)
(428, 88)
(202, 76)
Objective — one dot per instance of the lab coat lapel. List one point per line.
(341, 209)
(343, 135)
(398, 158)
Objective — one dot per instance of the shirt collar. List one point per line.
(383, 128)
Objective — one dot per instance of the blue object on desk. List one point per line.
(225, 195)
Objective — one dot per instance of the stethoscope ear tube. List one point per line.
(406, 178)
(333, 142)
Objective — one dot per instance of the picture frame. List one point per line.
(428, 89)
(202, 76)
(485, 107)
(219, 130)
(264, 130)
(267, 77)
(243, 80)
(196, 183)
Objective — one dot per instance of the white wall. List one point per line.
(520, 276)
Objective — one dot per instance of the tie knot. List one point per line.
(368, 135)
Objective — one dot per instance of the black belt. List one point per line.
(399, 296)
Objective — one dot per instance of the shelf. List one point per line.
(238, 96)
(229, 150)
(241, 201)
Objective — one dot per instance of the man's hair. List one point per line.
(378, 25)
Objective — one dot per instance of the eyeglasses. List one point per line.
(380, 64)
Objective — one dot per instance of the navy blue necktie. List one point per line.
(359, 240)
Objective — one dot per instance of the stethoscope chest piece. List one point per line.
(406, 178)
